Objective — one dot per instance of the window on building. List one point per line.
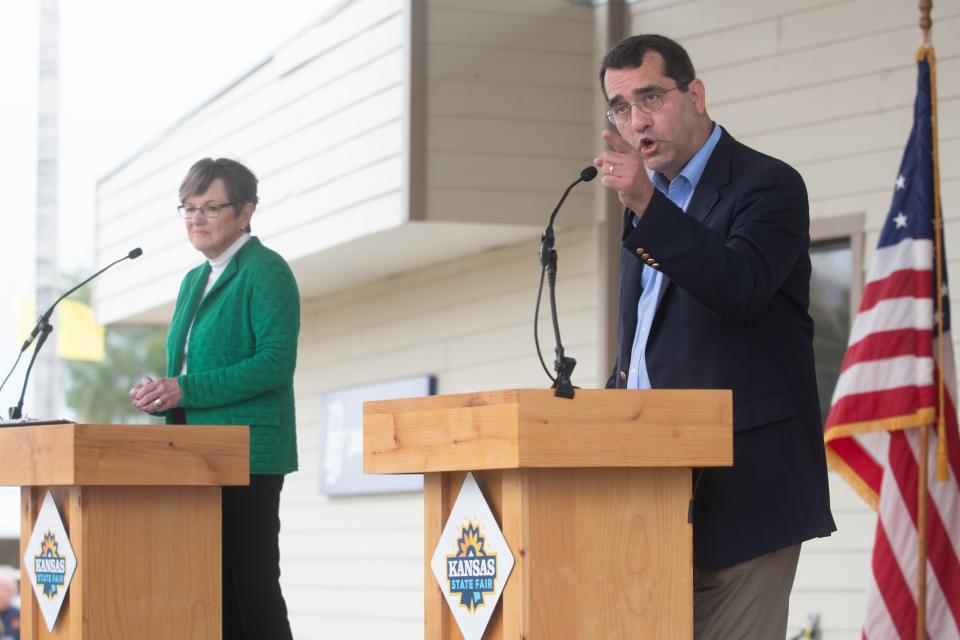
(836, 255)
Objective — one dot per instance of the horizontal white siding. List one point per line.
(509, 108)
(320, 123)
(829, 88)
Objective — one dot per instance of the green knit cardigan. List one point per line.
(242, 352)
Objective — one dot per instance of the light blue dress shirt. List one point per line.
(680, 192)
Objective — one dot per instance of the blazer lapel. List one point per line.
(184, 321)
(716, 175)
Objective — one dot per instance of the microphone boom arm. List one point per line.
(43, 329)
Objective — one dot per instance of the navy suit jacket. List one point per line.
(733, 314)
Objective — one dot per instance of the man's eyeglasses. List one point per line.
(211, 210)
(652, 102)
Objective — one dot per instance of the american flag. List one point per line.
(888, 390)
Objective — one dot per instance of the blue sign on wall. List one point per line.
(341, 438)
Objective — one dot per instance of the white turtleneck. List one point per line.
(217, 265)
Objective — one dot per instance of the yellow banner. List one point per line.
(78, 336)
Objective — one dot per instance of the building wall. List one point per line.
(509, 108)
(352, 566)
(321, 122)
(829, 87)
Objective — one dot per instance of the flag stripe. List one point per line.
(892, 586)
(909, 253)
(888, 315)
(878, 405)
(899, 284)
(885, 375)
(890, 344)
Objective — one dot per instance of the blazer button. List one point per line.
(644, 255)
(623, 375)
(651, 261)
(655, 265)
(640, 251)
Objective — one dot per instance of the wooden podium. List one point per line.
(141, 505)
(591, 495)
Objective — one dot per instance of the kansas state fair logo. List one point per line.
(50, 567)
(471, 572)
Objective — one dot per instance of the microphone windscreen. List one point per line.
(136, 253)
(588, 174)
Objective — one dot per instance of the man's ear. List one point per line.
(698, 94)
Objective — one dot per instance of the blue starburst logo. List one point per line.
(471, 571)
(50, 567)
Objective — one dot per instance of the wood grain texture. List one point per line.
(599, 553)
(129, 455)
(530, 428)
(148, 563)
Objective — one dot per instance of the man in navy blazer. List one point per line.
(714, 294)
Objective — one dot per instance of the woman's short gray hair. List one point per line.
(239, 181)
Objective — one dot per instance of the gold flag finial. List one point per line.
(925, 21)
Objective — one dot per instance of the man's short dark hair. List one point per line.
(629, 52)
(239, 181)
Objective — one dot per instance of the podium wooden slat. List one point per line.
(591, 495)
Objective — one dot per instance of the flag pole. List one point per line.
(926, 52)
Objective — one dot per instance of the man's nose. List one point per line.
(638, 119)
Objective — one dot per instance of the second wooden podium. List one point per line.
(591, 495)
(141, 505)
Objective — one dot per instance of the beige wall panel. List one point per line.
(831, 102)
(417, 360)
(475, 25)
(332, 570)
(356, 604)
(462, 98)
(509, 173)
(814, 67)
(381, 212)
(500, 341)
(255, 127)
(445, 287)
(329, 131)
(555, 9)
(524, 371)
(485, 135)
(681, 20)
(367, 157)
(516, 66)
(832, 572)
(838, 21)
(844, 176)
(460, 324)
(324, 41)
(335, 625)
(504, 207)
(734, 45)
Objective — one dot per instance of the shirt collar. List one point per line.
(693, 170)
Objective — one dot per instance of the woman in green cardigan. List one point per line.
(231, 353)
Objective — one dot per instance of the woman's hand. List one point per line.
(155, 396)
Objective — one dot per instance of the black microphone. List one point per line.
(43, 329)
(563, 365)
(45, 318)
